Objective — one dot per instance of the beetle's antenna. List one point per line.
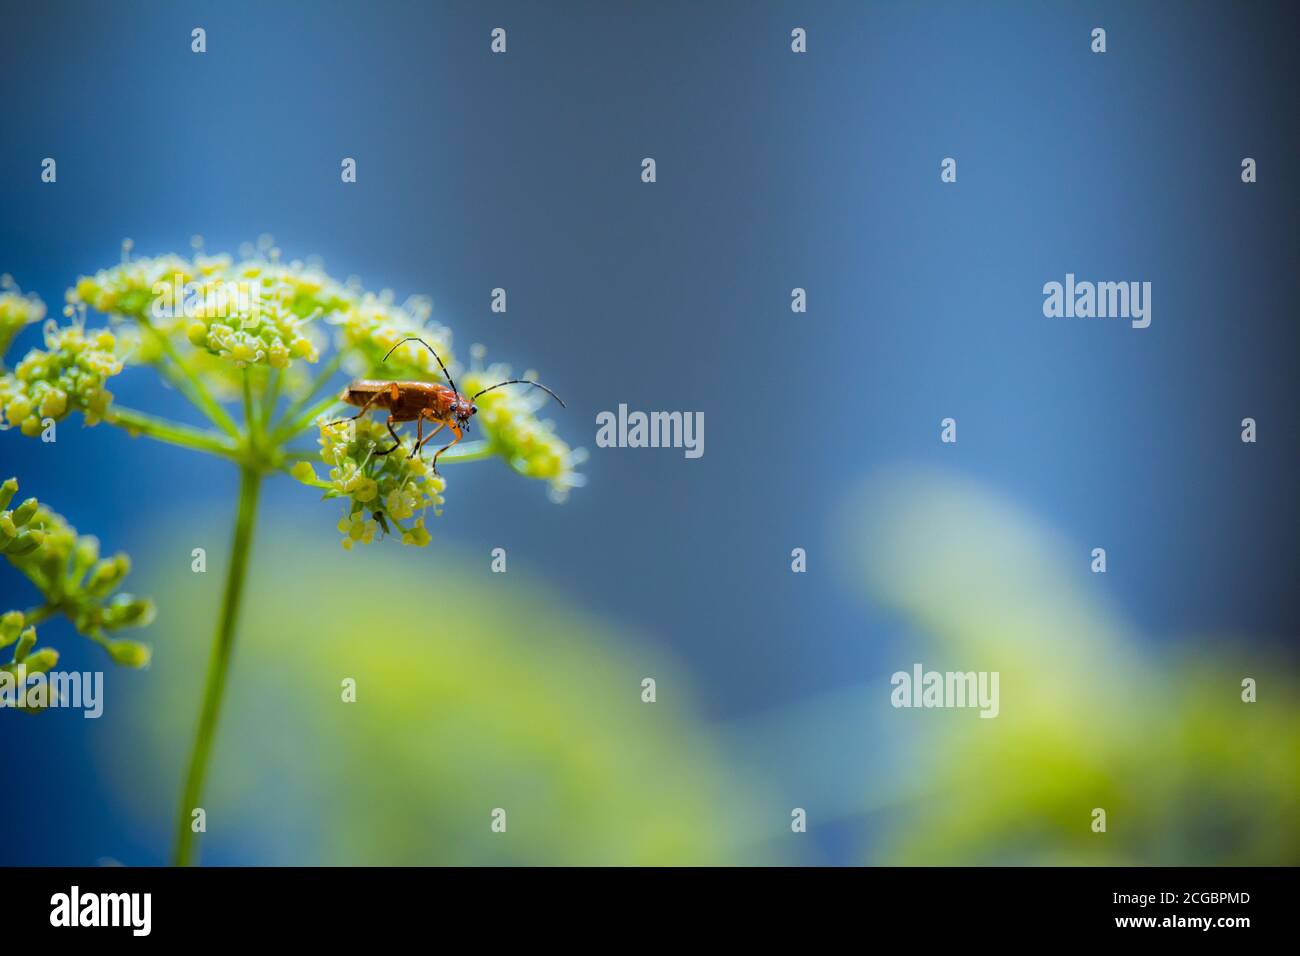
(415, 338)
(524, 381)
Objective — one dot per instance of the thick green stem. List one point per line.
(218, 667)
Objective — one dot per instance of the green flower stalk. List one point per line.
(276, 338)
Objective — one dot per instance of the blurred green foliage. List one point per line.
(1156, 735)
(474, 691)
(477, 691)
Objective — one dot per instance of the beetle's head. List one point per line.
(462, 409)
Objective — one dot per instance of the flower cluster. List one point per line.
(380, 489)
(71, 576)
(259, 312)
(130, 289)
(508, 417)
(16, 311)
(372, 325)
(256, 311)
(68, 376)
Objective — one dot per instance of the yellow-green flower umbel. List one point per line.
(373, 324)
(508, 417)
(69, 375)
(380, 489)
(72, 578)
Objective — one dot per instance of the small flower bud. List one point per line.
(128, 653)
(23, 513)
(7, 491)
(18, 407)
(11, 624)
(20, 546)
(41, 661)
(365, 490)
(26, 641)
(54, 403)
(127, 611)
(106, 575)
(417, 536)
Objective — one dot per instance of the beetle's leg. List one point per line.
(425, 440)
(419, 434)
(456, 429)
(389, 423)
(364, 408)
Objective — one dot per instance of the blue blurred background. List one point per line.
(775, 170)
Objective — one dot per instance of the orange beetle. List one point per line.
(420, 402)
